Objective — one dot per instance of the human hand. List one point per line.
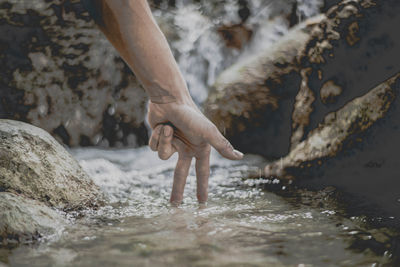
(182, 128)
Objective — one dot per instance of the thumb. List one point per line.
(221, 144)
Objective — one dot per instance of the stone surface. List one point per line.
(356, 151)
(341, 130)
(33, 164)
(273, 102)
(59, 72)
(251, 101)
(23, 219)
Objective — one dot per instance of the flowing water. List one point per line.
(191, 28)
(242, 225)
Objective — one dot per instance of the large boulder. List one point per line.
(251, 101)
(39, 180)
(35, 165)
(324, 106)
(355, 150)
(272, 102)
(60, 73)
(344, 129)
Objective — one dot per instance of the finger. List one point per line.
(155, 136)
(202, 174)
(180, 175)
(221, 144)
(165, 148)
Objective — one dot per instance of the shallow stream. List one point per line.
(242, 225)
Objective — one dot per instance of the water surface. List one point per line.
(242, 225)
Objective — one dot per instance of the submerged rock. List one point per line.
(23, 219)
(35, 165)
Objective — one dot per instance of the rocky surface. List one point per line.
(59, 72)
(34, 164)
(23, 219)
(356, 151)
(341, 130)
(271, 103)
(37, 177)
(251, 101)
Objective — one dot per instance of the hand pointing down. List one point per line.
(131, 28)
(191, 135)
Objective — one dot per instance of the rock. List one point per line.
(60, 73)
(251, 100)
(339, 130)
(355, 150)
(235, 36)
(23, 220)
(34, 165)
(273, 102)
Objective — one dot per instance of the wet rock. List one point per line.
(339, 130)
(272, 102)
(34, 165)
(59, 72)
(329, 92)
(355, 150)
(235, 36)
(23, 220)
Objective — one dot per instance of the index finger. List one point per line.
(221, 144)
(202, 175)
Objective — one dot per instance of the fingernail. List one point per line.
(238, 153)
(167, 131)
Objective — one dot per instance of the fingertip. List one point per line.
(154, 138)
(202, 199)
(232, 154)
(238, 154)
(167, 131)
(175, 200)
(202, 205)
(174, 203)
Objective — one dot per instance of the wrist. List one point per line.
(175, 95)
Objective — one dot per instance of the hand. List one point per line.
(182, 128)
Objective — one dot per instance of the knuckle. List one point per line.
(153, 145)
(163, 155)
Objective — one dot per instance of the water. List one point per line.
(242, 225)
(191, 28)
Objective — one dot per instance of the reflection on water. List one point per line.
(242, 224)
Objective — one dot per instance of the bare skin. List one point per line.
(177, 123)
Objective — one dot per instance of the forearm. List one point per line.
(131, 28)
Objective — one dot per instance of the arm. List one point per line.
(131, 28)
